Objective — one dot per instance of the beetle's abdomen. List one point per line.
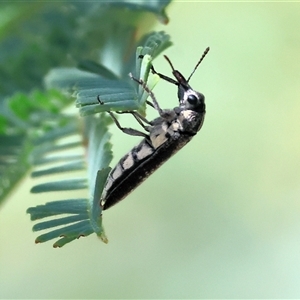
(136, 166)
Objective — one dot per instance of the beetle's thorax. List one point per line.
(178, 121)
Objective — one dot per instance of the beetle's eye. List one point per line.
(192, 99)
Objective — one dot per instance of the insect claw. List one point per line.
(99, 100)
(140, 81)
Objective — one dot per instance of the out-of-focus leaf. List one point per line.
(22, 119)
(156, 7)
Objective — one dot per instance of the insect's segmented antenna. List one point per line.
(202, 57)
(168, 60)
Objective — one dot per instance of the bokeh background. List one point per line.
(221, 219)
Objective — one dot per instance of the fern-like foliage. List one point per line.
(98, 44)
(82, 217)
(23, 118)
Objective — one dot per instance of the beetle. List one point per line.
(164, 136)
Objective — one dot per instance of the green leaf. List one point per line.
(62, 185)
(14, 153)
(70, 206)
(68, 167)
(156, 7)
(23, 118)
(117, 95)
(96, 68)
(74, 226)
(84, 216)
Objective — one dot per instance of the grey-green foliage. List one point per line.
(95, 44)
(23, 119)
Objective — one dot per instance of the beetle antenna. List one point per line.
(202, 57)
(168, 60)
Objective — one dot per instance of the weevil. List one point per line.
(164, 136)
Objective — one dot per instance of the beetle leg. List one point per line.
(149, 103)
(164, 77)
(155, 103)
(128, 130)
(140, 119)
(167, 78)
(137, 115)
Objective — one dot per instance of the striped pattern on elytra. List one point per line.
(167, 134)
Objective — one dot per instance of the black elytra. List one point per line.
(164, 136)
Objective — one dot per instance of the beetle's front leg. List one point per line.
(163, 113)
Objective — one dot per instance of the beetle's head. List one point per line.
(188, 98)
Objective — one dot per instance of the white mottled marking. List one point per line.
(176, 125)
(128, 161)
(144, 152)
(158, 134)
(117, 172)
(188, 114)
(158, 140)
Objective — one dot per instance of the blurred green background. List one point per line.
(221, 219)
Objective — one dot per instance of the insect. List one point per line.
(164, 136)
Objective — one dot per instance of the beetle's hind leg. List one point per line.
(127, 130)
(140, 119)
